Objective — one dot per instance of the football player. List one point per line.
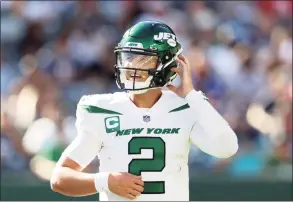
(142, 135)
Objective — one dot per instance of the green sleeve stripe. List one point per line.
(186, 106)
(98, 110)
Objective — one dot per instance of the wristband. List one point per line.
(101, 182)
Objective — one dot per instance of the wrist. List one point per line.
(190, 93)
(101, 181)
(186, 91)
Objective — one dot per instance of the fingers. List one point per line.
(130, 196)
(139, 182)
(181, 63)
(138, 188)
(177, 70)
(182, 60)
(126, 185)
(182, 67)
(137, 179)
(134, 192)
(172, 88)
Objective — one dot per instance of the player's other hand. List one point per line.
(186, 82)
(125, 185)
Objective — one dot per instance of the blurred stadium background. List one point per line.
(53, 52)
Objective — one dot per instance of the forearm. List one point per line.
(73, 183)
(215, 136)
(222, 145)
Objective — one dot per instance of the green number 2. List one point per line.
(156, 164)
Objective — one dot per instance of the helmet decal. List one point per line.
(171, 42)
(133, 44)
(164, 36)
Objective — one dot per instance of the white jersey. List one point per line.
(153, 143)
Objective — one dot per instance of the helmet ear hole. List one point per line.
(159, 78)
(167, 57)
(163, 77)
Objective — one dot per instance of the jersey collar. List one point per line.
(158, 106)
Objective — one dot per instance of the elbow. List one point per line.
(57, 185)
(229, 146)
(54, 187)
(56, 182)
(229, 152)
(234, 150)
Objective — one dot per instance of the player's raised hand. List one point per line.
(125, 185)
(186, 82)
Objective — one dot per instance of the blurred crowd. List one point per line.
(54, 52)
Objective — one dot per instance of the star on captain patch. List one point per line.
(146, 118)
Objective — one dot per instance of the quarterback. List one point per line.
(142, 135)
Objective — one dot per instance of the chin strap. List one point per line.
(137, 92)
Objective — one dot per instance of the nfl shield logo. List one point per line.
(146, 118)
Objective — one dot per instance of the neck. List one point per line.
(146, 100)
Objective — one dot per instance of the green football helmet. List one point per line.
(145, 56)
